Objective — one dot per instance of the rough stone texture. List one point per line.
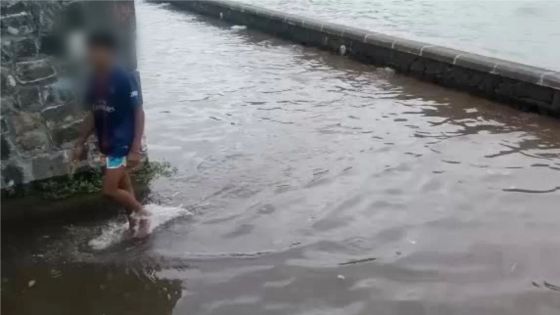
(7, 81)
(28, 72)
(28, 99)
(65, 134)
(20, 23)
(25, 48)
(497, 79)
(41, 114)
(12, 174)
(50, 165)
(5, 148)
(33, 140)
(22, 122)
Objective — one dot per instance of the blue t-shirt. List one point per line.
(114, 101)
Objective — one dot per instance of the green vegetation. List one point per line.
(90, 181)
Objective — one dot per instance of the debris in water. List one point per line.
(31, 283)
(513, 267)
(342, 50)
(551, 286)
(341, 277)
(357, 261)
(389, 70)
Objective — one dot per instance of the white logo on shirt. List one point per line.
(102, 105)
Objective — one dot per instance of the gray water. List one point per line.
(315, 185)
(525, 31)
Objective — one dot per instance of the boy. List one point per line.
(118, 120)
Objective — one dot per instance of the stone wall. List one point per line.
(529, 87)
(41, 110)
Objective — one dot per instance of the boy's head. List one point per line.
(102, 48)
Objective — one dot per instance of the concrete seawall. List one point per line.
(525, 86)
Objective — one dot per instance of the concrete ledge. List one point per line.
(502, 80)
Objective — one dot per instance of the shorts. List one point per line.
(114, 162)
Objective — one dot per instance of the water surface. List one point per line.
(315, 185)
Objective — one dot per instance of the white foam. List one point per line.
(113, 232)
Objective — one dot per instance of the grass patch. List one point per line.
(88, 181)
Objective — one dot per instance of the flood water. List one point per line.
(313, 184)
(525, 31)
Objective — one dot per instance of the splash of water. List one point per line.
(113, 232)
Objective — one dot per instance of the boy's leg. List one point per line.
(113, 189)
(126, 184)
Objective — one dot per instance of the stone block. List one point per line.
(402, 61)
(556, 101)
(372, 53)
(551, 79)
(49, 15)
(18, 24)
(60, 114)
(379, 40)
(7, 81)
(418, 67)
(49, 165)
(12, 175)
(57, 94)
(354, 33)
(435, 70)
(12, 7)
(35, 71)
(534, 92)
(475, 62)
(22, 122)
(517, 71)
(8, 104)
(441, 54)
(5, 148)
(4, 125)
(33, 140)
(25, 48)
(408, 46)
(28, 99)
(7, 52)
(67, 133)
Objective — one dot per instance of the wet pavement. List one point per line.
(314, 185)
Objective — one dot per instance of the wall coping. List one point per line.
(513, 70)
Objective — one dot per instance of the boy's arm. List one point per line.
(133, 158)
(85, 131)
(138, 129)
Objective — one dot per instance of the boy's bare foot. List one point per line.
(142, 220)
(132, 225)
(143, 228)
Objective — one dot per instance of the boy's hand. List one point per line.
(133, 159)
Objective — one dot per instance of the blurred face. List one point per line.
(100, 58)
